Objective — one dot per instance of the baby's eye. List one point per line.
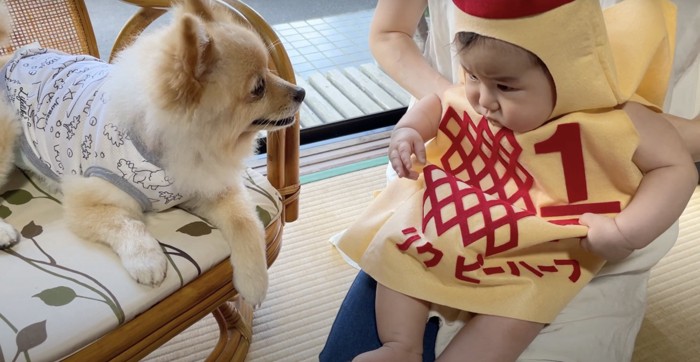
(505, 88)
(472, 77)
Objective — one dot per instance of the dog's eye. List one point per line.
(259, 90)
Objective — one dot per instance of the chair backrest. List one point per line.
(65, 25)
(58, 24)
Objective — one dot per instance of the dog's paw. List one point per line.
(251, 284)
(146, 264)
(8, 235)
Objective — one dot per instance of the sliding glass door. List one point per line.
(328, 46)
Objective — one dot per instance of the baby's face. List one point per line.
(505, 85)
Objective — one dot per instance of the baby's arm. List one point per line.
(669, 180)
(419, 124)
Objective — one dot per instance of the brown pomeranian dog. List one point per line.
(171, 122)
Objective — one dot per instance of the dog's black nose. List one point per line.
(299, 94)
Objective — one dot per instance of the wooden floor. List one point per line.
(337, 95)
(348, 93)
(344, 151)
(336, 152)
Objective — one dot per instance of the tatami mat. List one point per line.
(671, 329)
(309, 280)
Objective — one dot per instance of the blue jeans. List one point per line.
(355, 328)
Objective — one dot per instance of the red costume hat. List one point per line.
(507, 9)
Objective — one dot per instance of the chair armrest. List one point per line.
(282, 145)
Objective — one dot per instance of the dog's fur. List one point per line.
(196, 92)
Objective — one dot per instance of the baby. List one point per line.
(575, 168)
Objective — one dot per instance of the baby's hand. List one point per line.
(405, 142)
(604, 237)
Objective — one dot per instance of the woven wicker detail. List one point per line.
(53, 24)
(290, 193)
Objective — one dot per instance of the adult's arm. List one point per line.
(392, 45)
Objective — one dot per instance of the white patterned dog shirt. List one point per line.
(60, 103)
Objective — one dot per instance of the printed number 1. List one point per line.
(567, 141)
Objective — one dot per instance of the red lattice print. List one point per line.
(472, 145)
(485, 160)
(463, 209)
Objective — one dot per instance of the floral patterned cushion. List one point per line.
(60, 292)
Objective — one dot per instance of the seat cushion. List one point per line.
(58, 292)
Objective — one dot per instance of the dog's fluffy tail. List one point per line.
(5, 23)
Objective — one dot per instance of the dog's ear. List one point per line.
(197, 47)
(199, 8)
(195, 54)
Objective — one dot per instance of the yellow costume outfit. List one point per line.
(490, 225)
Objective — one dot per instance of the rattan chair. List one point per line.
(65, 25)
